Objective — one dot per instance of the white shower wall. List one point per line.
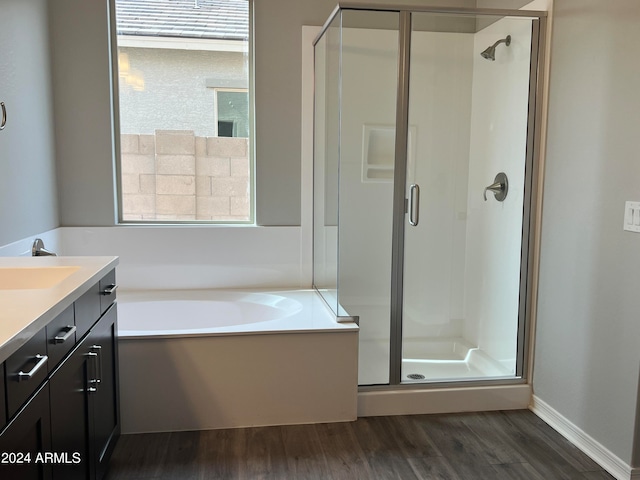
(494, 229)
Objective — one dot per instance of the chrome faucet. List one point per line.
(38, 250)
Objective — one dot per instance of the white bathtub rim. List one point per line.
(313, 317)
(206, 311)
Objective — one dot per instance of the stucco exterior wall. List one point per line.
(175, 95)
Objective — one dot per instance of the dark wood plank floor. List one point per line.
(510, 445)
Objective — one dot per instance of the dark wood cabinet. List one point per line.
(70, 415)
(26, 439)
(75, 413)
(104, 414)
(84, 403)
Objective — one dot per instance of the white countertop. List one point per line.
(23, 312)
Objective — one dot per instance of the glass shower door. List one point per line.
(356, 70)
(468, 122)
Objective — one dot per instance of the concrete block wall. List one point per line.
(174, 175)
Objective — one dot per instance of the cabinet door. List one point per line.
(104, 407)
(70, 417)
(28, 433)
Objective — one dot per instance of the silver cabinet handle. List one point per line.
(3, 122)
(98, 352)
(66, 336)
(109, 289)
(414, 204)
(93, 381)
(42, 361)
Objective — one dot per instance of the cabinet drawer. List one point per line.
(107, 291)
(61, 336)
(87, 310)
(25, 371)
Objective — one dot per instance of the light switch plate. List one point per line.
(632, 217)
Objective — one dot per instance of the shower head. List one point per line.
(490, 53)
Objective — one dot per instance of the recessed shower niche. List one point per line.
(378, 152)
(416, 113)
(378, 147)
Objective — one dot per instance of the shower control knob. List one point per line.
(499, 187)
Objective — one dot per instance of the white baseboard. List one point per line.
(591, 447)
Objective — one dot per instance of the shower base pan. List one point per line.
(448, 359)
(432, 360)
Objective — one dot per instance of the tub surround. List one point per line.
(22, 247)
(26, 310)
(284, 361)
(196, 256)
(151, 314)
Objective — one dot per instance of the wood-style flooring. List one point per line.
(508, 445)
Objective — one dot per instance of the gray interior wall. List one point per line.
(83, 136)
(82, 104)
(83, 123)
(588, 333)
(28, 203)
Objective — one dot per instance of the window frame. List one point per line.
(116, 143)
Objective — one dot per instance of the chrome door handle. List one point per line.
(66, 336)
(42, 360)
(499, 187)
(3, 122)
(414, 204)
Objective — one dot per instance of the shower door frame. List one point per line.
(533, 174)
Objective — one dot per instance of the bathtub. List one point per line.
(206, 359)
(183, 313)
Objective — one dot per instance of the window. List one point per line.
(184, 110)
(232, 113)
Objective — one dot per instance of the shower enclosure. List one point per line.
(425, 171)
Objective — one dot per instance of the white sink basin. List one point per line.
(32, 278)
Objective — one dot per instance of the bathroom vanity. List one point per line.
(59, 407)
